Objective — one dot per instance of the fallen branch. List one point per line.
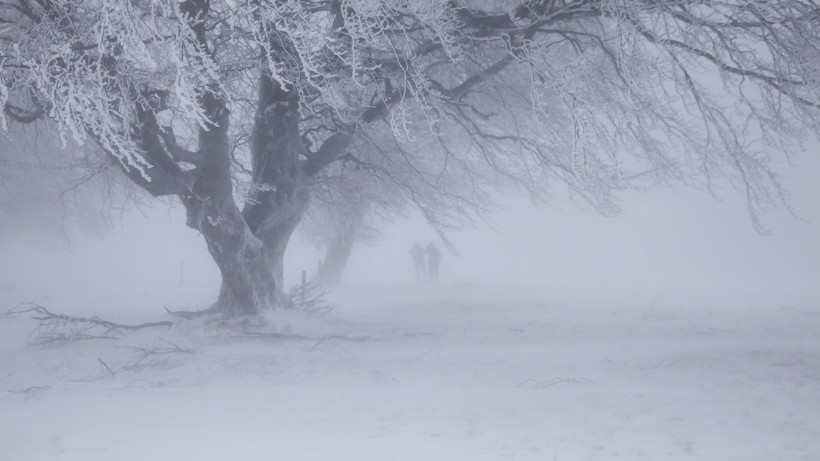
(33, 392)
(54, 327)
(141, 354)
(105, 365)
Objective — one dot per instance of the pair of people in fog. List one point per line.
(426, 261)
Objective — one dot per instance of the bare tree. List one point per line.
(596, 94)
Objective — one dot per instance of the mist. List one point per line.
(672, 330)
(667, 247)
(352, 230)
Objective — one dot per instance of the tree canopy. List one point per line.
(236, 106)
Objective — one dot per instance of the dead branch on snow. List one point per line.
(59, 328)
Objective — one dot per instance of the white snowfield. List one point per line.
(425, 374)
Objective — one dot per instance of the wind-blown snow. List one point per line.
(410, 373)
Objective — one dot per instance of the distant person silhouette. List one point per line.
(433, 260)
(418, 260)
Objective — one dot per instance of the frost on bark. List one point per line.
(241, 109)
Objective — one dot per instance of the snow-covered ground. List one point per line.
(416, 373)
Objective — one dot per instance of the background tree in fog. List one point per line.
(347, 207)
(189, 96)
(380, 178)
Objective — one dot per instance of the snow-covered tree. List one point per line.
(189, 95)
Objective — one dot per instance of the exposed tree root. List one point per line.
(309, 298)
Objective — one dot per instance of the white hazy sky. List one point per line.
(667, 248)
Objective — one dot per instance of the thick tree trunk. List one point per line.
(249, 283)
(249, 246)
(338, 253)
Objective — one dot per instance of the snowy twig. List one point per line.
(171, 348)
(143, 353)
(310, 298)
(142, 356)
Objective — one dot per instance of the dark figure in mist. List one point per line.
(418, 260)
(433, 260)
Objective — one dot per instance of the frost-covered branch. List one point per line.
(224, 103)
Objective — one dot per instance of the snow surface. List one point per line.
(425, 373)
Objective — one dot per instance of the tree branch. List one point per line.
(20, 115)
(328, 153)
(776, 82)
(178, 153)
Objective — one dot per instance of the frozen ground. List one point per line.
(418, 374)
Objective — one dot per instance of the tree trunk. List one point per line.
(338, 253)
(249, 246)
(251, 266)
(249, 283)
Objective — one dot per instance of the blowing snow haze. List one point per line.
(378, 229)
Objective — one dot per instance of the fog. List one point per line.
(673, 331)
(667, 247)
